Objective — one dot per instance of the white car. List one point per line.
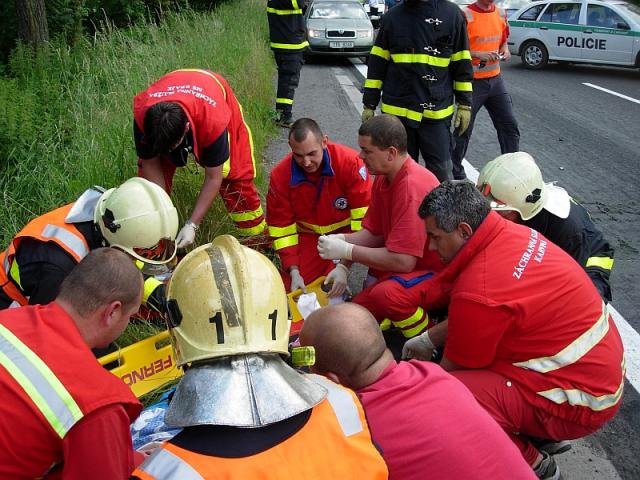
(580, 31)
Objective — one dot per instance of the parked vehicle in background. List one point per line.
(338, 27)
(579, 31)
(375, 9)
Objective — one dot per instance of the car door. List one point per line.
(560, 29)
(607, 36)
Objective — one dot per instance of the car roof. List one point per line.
(610, 2)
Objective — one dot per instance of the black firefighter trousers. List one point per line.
(289, 66)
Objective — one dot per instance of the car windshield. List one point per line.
(632, 10)
(337, 10)
(511, 4)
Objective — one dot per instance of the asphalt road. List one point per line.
(586, 139)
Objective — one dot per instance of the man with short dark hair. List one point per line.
(321, 187)
(391, 243)
(194, 111)
(422, 418)
(62, 415)
(527, 331)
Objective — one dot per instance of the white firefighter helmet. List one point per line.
(513, 182)
(139, 218)
(228, 317)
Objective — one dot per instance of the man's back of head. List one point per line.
(349, 345)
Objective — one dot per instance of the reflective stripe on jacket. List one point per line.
(50, 381)
(336, 201)
(336, 440)
(50, 227)
(286, 25)
(212, 108)
(420, 60)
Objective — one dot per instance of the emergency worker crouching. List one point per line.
(244, 411)
(513, 183)
(137, 217)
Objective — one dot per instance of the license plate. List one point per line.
(341, 44)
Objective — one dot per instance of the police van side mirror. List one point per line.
(622, 26)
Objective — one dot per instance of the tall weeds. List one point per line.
(65, 113)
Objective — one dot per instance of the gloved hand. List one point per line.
(332, 247)
(463, 118)
(187, 235)
(420, 347)
(367, 114)
(297, 282)
(337, 278)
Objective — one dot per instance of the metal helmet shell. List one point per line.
(226, 299)
(139, 218)
(513, 182)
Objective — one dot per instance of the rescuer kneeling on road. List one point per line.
(422, 418)
(195, 111)
(137, 217)
(392, 241)
(515, 189)
(245, 412)
(321, 187)
(62, 415)
(527, 331)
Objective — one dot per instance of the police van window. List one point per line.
(532, 13)
(568, 13)
(601, 16)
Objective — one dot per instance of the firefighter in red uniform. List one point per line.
(62, 414)
(319, 188)
(244, 412)
(137, 217)
(195, 111)
(392, 242)
(527, 332)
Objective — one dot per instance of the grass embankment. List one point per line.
(65, 114)
(66, 119)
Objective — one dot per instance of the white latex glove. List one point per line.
(297, 282)
(420, 347)
(332, 247)
(187, 235)
(337, 278)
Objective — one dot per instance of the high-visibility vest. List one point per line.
(335, 443)
(486, 32)
(50, 227)
(50, 380)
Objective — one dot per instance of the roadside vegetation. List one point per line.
(65, 112)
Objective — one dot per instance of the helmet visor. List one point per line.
(161, 252)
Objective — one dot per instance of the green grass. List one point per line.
(66, 119)
(65, 113)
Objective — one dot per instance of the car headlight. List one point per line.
(365, 33)
(314, 33)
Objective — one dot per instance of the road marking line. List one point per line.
(630, 338)
(606, 90)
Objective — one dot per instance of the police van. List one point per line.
(585, 31)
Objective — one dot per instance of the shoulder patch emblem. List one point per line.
(340, 203)
(363, 172)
